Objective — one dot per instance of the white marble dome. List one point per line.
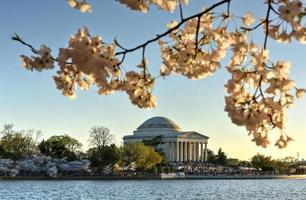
(177, 145)
(158, 123)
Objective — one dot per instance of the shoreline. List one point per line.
(121, 178)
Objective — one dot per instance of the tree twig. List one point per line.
(267, 23)
(17, 38)
(181, 11)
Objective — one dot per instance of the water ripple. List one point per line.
(154, 190)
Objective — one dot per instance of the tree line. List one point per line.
(24, 144)
(259, 161)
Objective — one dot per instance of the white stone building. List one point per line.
(178, 145)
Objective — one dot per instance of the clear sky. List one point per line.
(31, 100)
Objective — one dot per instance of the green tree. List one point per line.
(211, 157)
(18, 144)
(232, 162)
(289, 159)
(4, 153)
(110, 155)
(104, 156)
(155, 142)
(145, 157)
(60, 146)
(262, 162)
(221, 157)
(280, 166)
(245, 163)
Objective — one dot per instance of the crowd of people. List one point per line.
(52, 167)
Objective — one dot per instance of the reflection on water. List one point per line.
(155, 189)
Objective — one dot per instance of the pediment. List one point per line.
(193, 135)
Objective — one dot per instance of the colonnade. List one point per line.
(183, 151)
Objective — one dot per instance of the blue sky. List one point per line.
(31, 100)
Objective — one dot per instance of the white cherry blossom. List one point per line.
(259, 90)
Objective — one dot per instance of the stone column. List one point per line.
(194, 151)
(181, 152)
(171, 152)
(184, 151)
(177, 153)
(201, 152)
(189, 151)
(205, 155)
(197, 151)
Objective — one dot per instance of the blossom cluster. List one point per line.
(85, 61)
(196, 50)
(43, 60)
(143, 5)
(137, 5)
(89, 61)
(259, 93)
(83, 5)
(7, 168)
(139, 88)
(290, 22)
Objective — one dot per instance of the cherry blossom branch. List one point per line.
(197, 36)
(273, 9)
(144, 63)
(119, 45)
(265, 46)
(256, 99)
(260, 88)
(255, 27)
(156, 38)
(17, 38)
(159, 36)
(267, 23)
(228, 8)
(256, 90)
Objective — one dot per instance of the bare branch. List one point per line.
(17, 38)
(197, 36)
(255, 27)
(119, 45)
(181, 11)
(267, 23)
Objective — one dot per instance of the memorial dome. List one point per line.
(158, 123)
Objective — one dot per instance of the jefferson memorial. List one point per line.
(178, 145)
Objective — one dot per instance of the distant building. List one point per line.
(178, 145)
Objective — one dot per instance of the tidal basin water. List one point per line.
(155, 189)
